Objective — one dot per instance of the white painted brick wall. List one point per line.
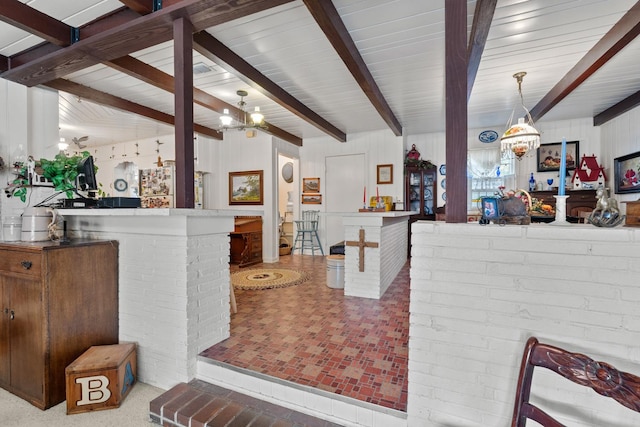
(381, 264)
(477, 294)
(173, 290)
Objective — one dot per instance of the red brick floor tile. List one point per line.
(313, 335)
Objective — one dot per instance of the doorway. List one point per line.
(286, 198)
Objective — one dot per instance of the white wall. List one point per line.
(28, 124)
(432, 146)
(478, 293)
(378, 147)
(620, 137)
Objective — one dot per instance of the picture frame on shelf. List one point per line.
(311, 185)
(384, 174)
(246, 188)
(490, 208)
(548, 156)
(627, 173)
(312, 198)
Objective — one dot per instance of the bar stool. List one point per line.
(307, 233)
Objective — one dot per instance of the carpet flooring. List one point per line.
(313, 335)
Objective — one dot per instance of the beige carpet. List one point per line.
(133, 412)
(267, 278)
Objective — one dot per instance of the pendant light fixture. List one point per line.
(244, 121)
(521, 137)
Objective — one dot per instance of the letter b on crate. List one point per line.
(100, 378)
(93, 390)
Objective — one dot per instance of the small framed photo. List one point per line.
(627, 173)
(312, 198)
(490, 208)
(385, 174)
(549, 156)
(310, 185)
(246, 188)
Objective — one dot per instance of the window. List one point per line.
(488, 169)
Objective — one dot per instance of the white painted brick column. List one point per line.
(477, 294)
(173, 283)
(381, 264)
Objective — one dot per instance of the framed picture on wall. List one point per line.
(385, 174)
(312, 198)
(310, 185)
(627, 173)
(549, 156)
(246, 188)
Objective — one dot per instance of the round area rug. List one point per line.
(267, 278)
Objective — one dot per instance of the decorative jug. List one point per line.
(36, 222)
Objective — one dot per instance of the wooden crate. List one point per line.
(632, 218)
(100, 378)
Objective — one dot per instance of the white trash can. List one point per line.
(335, 271)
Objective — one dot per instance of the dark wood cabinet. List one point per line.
(56, 302)
(578, 200)
(421, 191)
(246, 241)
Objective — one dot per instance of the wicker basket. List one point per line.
(285, 246)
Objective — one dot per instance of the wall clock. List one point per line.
(120, 184)
(287, 172)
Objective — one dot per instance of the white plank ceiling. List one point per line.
(402, 44)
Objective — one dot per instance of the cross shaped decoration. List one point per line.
(361, 244)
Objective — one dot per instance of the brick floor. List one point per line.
(313, 335)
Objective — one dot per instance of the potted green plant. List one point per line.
(62, 172)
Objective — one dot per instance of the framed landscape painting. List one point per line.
(246, 188)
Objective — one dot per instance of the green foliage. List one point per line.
(62, 172)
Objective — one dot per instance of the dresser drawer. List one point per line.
(20, 262)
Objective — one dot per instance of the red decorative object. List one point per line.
(588, 175)
(413, 154)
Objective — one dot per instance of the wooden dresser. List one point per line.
(246, 241)
(56, 302)
(578, 200)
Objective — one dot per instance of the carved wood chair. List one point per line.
(603, 378)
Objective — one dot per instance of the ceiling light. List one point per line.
(521, 137)
(244, 120)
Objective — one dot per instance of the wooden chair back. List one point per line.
(308, 221)
(603, 378)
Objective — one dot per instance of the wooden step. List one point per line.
(200, 404)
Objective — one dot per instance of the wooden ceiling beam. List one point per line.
(213, 49)
(618, 109)
(327, 17)
(131, 36)
(619, 36)
(4, 63)
(135, 68)
(33, 21)
(143, 7)
(482, 18)
(118, 103)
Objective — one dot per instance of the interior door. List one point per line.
(345, 177)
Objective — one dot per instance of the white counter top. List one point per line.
(386, 214)
(161, 212)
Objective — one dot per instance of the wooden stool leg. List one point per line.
(232, 295)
